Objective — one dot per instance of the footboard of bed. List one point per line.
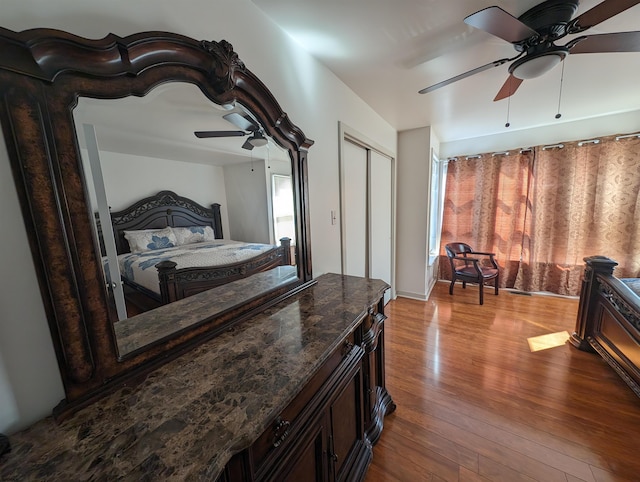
(608, 320)
(176, 284)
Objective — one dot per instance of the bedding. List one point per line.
(633, 284)
(139, 267)
(150, 239)
(193, 234)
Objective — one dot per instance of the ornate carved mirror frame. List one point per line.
(42, 74)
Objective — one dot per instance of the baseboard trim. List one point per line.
(413, 296)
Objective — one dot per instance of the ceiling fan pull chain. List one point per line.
(558, 115)
(509, 102)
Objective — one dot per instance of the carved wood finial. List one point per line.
(226, 62)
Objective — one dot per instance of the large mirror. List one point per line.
(101, 137)
(175, 140)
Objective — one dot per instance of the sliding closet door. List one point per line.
(354, 210)
(366, 179)
(380, 207)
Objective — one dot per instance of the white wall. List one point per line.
(414, 166)
(249, 216)
(128, 178)
(624, 123)
(30, 384)
(312, 96)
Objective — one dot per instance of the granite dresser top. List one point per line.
(189, 417)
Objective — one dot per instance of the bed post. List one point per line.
(217, 221)
(594, 265)
(286, 251)
(167, 279)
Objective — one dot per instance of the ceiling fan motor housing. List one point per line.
(549, 19)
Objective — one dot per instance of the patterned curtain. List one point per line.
(543, 212)
(485, 207)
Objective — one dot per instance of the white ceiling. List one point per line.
(165, 127)
(387, 50)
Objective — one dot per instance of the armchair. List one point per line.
(466, 266)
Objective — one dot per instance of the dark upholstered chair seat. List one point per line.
(487, 273)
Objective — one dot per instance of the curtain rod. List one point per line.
(559, 146)
(475, 156)
(526, 149)
(637, 134)
(590, 141)
(451, 159)
(503, 153)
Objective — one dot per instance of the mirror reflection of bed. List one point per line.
(137, 147)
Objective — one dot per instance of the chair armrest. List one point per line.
(491, 258)
(466, 258)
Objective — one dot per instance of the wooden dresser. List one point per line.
(294, 393)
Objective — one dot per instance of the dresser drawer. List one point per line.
(292, 419)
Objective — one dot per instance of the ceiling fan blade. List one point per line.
(602, 12)
(247, 145)
(606, 42)
(241, 121)
(497, 22)
(508, 88)
(206, 134)
(477, 70)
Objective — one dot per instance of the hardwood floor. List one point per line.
(474, 403)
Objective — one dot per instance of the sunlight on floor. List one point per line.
(543, 342)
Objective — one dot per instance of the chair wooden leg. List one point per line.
(481, 292)
(453, 281)
(464, 285)
(496, 283)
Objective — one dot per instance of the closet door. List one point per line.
(354, 210)
(380, 218)
(367, 212)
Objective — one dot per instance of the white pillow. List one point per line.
(194, 234)
(148, 239)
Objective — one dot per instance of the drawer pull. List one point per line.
(280, 432)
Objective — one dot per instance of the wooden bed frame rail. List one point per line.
(608, 320)
(176, 284)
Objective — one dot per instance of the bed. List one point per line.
(608, 319)
(170, 247)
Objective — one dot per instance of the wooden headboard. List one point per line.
(161, 210)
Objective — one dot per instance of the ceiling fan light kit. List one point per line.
(534, 33)
(533, 66)
(257, 140)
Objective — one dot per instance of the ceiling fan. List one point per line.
(534, 33)
(249, 128)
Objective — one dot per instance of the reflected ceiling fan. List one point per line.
(249, 128)
(534, 33)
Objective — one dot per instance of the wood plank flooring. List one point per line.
(476, 404)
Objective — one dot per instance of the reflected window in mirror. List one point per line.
(283, 209)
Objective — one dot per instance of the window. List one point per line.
(283, 214)
(438, 180)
